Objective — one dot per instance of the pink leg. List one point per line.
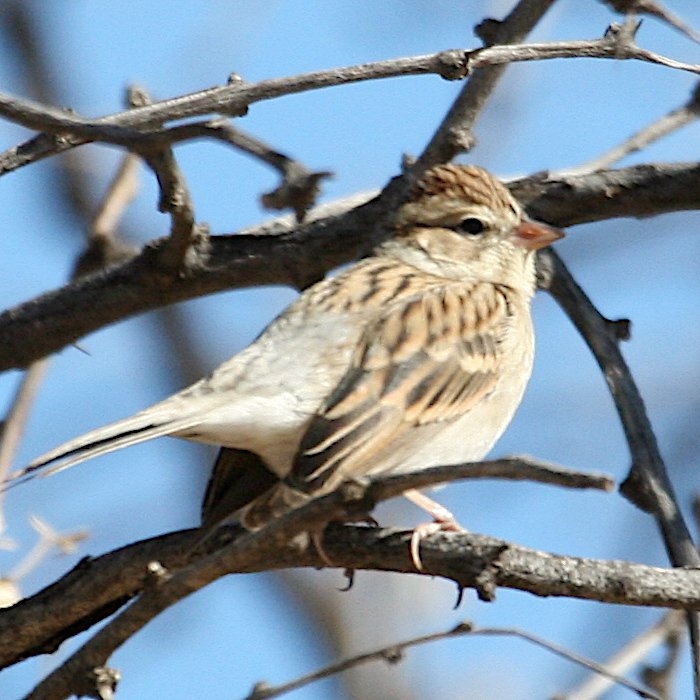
(443, 520)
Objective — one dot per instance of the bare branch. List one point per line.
(12, 427)
(471, 560)
(37, 66)
(175, 200)
(121, 192)
(104, 247)
(137, 127)
(655, 9)
(299, 187)
(297, 256)
(673, 121)
(639, 191)
(647, 484)
(628, 657)
(394, 654)
(454, 135)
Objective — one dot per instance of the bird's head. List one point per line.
(461, 222)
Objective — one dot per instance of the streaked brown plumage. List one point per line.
(413, 357)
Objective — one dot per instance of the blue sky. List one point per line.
(546, 115)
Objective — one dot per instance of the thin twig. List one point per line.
(103, 248)
(137, 127)
(174, 200)
(647, 484)
(49, 539)
(299, 187)
(455, 133)
(394, 654)
(661, 677)
(521, 468)
(629, 656)
(494, 568)
(673, 121)
(655, 9)
(120, 193)
(15, 422)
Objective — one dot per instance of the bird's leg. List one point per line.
(317, 534)
(443, 519)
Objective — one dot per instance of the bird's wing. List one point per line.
(429, 358)
(238, 477)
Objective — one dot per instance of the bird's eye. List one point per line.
(471, 226)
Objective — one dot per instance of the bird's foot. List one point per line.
(425, 530)
(443, 520)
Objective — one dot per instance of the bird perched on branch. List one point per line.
(413, 357)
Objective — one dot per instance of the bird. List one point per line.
(415, 356)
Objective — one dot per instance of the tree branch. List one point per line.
(297, 256)
(136, 127)
(647, 484)
(471, 560)
(673, 121)
(455, 135)
(394, 653)
(95, 588)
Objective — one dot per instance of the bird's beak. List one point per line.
(534, 235)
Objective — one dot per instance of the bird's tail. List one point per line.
(143, 426)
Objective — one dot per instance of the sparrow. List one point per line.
(415, 356)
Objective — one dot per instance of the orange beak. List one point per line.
(534, 235)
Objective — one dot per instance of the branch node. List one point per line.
(621, 328)
(102, 252)
(392, 655)
(156, 573)
(260, 690)
(488, 30)
(298, 191)
(463, 138)
(240, 110)
(453, 64)
(463, 627)
(355, 496)
(622, 36)
(100, 682)
(637, 489)
(485, 583)
(137, 96)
